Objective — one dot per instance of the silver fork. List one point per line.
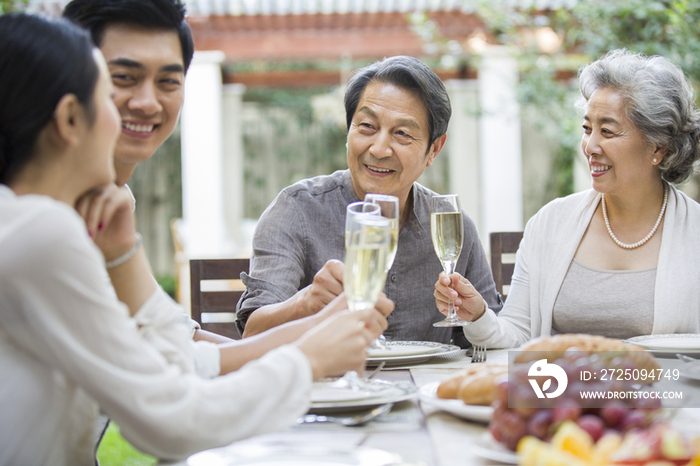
(376, 371)
(685, 358)
(478, 354)
(352, 380)
(348, 421)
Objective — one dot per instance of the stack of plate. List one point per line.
(402, 352)
(668, 345)
(331, 397)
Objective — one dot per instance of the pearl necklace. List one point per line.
(647, 237)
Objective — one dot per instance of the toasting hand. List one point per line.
(469, 304)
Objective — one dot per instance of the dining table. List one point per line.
(419, 433)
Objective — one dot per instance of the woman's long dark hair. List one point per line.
(41, 60)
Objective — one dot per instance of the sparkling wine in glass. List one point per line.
(389, 208)
(355, 209)
(365, 260)
(447, 232)
(367, 240)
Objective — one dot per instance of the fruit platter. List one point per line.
(552, 420)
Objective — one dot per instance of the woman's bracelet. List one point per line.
(127, 255)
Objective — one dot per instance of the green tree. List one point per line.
(7, 6)
(586, 32)
(583, 33)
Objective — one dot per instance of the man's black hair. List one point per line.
(97, 15)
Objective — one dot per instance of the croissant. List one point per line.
(452, 387)
(480, 389)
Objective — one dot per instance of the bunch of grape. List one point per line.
(540, 418)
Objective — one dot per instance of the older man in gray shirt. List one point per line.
(397, 114)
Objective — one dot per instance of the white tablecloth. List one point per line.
(424, 436)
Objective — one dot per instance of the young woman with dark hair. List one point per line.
(68, 347)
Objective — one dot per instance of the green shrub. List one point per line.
(167, 282)
(115, 451)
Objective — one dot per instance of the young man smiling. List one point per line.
(397, 112)
(148, 48)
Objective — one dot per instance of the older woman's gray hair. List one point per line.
(658, 100)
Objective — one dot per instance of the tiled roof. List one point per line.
(298, 7)
(301, 7)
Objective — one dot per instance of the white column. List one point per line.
(204, 232)
(233, 160)
(463, 146)
(500, 143)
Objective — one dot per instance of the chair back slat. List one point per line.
(220, 301)
(216, 302)
(222, 269)
(503, 243)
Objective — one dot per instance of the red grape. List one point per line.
(495, 430)
(634, 419)
(566, 410)
(592, 424)
(538, 424)
(499, 408)
(647, 403)
(614, 412)
(502, 391)
(509, 424)
(512, 429)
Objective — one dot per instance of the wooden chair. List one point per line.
(220, 301)
(503, 243)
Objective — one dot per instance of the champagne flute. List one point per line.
(389, 208)
(447, 232)
(367, 246)
(365, 260)
(353, 210)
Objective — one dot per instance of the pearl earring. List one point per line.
(655, 160)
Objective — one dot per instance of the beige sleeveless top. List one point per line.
(611, 303)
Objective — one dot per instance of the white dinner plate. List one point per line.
(424, 350)
(330, 392)
(668, 345)
(404, 348)
(397, 391)
(488, 448)
(292, 455)
(428, 395)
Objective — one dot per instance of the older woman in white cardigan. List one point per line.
(621, 259)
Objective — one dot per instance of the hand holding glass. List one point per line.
(447, 232)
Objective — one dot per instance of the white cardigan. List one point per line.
(549, 244)
(68, 346)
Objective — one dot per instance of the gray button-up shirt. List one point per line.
(304, 227)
